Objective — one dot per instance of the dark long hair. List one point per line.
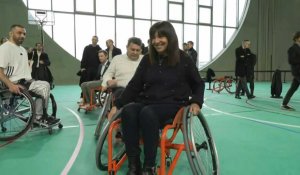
(166, 29)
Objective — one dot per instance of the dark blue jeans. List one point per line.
(145, 120)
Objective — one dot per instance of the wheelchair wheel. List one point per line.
(230, 85)
(52, 107)
(218, 86)
(102, 146)
(16, 115)
(200, 146)
(103, 115)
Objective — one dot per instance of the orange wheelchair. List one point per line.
(225, 82)
(198, 145)
(94, 93)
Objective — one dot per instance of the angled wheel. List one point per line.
(16, 114)
(200, 147)
(230, 85)
(102, 121)
(118, 150)
(218, 86)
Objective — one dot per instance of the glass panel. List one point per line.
(231, 16)
(85, 5)
(124, 7)
(178, 28)
(159, 9)
(38, 4)
(204, 45)
(242, 4)
(175, 12)
(217, 41)
(204, 15)
(205, 2)
(142, 30)
(123, 33)
(105, 30)
(175, 0)
(190, 11)
(64, 6)
(63, 33)
(229, 34)
(142, 9)
(190, 34)
(104, 7)
(83, 33)
(218, 12)
(25, 2)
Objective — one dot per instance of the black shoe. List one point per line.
(134, 165)
(287, 107)
(50, 120)
(251, 96)
(237, 97)
(148, 171)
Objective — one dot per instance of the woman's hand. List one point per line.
(195, 109)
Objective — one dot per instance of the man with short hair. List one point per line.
(192, 52)
(122, 67)
(112, 50)
(15, 72)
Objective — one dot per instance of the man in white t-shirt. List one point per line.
(15, 71)
(122, 67)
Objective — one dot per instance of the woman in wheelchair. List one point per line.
(165, 80)
(15, 73)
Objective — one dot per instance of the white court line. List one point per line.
(251, 119)
(78, 146)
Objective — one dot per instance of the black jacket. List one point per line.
(193, 54)
(180, 84)
(115, 51)
(99, 75)
(294, 59)
(242, 55)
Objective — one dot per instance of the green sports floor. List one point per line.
(253, 137)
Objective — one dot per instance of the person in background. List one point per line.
(165, 80)
(192, 52)
(294, 61)
(89, 63)
(242, 54)
(185, 47)
(87, 86)
(112, 50)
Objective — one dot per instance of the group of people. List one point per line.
(189, 49)
(150, 88)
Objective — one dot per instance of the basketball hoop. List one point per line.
(41, 18)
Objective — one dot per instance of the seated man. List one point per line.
(15, 72)
(86, 87)
(122, 67)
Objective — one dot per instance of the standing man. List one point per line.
(89, 63)
(242, 54)
(192, 52)
(15, 72)
(294, 61)
(112, 50)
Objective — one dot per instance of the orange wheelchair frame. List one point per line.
(225, 82)
(166, 144)
(91, 97)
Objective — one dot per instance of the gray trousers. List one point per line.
(41, 88)
(86, 89)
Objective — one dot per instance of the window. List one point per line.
(210, 24)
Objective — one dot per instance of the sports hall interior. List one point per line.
(252, 136)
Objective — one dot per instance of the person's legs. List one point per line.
(88, 86)
(131, 135)
(238, 88)
(291, 91)
(251, 82)
(85, 93)
(151, 119)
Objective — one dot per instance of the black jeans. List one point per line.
(242, 85)
(145, 120)
(292, 90)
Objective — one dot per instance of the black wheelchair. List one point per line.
(18, 114)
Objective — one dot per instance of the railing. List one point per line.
(259, 75)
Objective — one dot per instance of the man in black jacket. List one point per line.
(294, 61)
(112, 50)
(192, 52)
(242, 54)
